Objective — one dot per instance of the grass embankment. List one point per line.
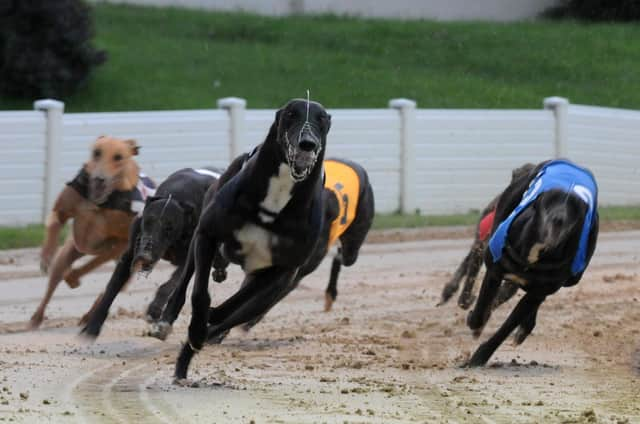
(164, 58)
(32, 235)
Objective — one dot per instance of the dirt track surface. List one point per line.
(385, 353)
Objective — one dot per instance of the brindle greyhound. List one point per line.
(101, 200)
(164, 231)
(544, 235)
(267, 217)
(470, 266)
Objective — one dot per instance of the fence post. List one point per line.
(236, 107)
(560, 108)
(53, 110)
(407, 110)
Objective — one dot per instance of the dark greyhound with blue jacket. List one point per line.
(544, 235)
(163, 231)
(266, 217)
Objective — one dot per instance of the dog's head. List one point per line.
(162, 224)
(301, 130)
(547, 225)
(111, 167)
(522, 171)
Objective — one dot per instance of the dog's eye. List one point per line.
(117, 157)
(97, 153)
(291, 114)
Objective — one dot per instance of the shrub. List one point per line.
(597, 10)
(45, 47)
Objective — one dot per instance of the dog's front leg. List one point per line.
(481, 312)
(50, 244)
(155, 308)
(162, 328)
(204, 251)
(119, 278)
(523, 310)
(254, 299)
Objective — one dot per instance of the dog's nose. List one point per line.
(307, 143)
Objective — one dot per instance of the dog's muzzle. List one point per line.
(302, 155)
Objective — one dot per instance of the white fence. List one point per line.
(446, 10)
(434, 161)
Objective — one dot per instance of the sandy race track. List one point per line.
(385, 353)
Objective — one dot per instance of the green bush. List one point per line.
(45, 47)
(598, 10)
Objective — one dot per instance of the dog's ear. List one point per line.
(133, 145)
(328, 122)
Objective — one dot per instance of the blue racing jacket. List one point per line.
(559, 175)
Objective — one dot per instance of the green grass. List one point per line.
(386, 221)
(173, 59)
(32, 235)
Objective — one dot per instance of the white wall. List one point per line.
(608, 142)
(464, 157)
(458, 159)
(494, 10)
(169, 140)
(22, 157)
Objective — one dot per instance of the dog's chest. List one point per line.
(278, 193)
(256, 243)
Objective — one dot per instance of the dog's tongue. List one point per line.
(304, 161)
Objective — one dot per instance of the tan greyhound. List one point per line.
(102, 201)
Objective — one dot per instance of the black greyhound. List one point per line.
(266, 217)
(163, 231)
(471, 264)
(544, 235)
(349, 210)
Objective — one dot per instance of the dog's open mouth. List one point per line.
(98, 190)
(301, 162)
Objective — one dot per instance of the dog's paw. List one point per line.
(160, 330)
(72, 279)
(328, 301)
(36, 320)
(87, 335)
(217, 338)
(520, 336)
(465, 302)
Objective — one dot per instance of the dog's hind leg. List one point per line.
(61, 262)
(523, 310)
(98, 313)
(331, 293)
(453, 285)
(474, 263)
(481, 312)
(204, 248)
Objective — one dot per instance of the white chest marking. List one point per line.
(255, 245)
(534, 253)
(278, 192)
(515, 279)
